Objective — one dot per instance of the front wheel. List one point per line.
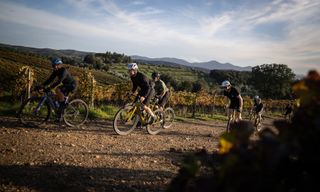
(125, 120)
(169, 117)
(34, 112)
(76, 113)
(158, 124)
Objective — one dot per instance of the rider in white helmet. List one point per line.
(146, 92)
(236, 101)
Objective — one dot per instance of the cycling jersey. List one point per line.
(233, 96)
(258, 107)
(141, 81)
(160, 87)
(146, 90)
(64, 77)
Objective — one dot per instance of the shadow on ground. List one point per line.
(55, 177)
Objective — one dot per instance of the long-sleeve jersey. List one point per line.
(64, 77)
(141, 81)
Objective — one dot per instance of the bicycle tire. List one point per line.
(122, 125)
(169, 117)
(29, 116)
(155, 127)
(76, 113)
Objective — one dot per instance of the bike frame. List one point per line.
(47, 98)
(135, 110)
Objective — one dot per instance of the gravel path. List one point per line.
(94, 158)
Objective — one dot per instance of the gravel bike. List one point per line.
(127, 118)
(37, 110)
(169, 114)
(256, 119)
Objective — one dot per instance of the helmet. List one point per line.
(132, 66)
(56, 61)
(155, 74)
(256, 97)
(225, 84)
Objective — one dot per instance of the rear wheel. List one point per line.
(125, 120)
(32, 113)
(158, 124)
(76, 113)
(169, 117)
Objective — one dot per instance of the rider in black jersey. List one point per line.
(146, 91)
(63, 86)
(236, 101)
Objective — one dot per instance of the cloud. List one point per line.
(187, 32)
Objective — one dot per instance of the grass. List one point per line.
(203, 117)
(106, 112)
(8, 108)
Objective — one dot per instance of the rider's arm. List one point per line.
(145, 86)
(164, 88)
(226, 101)
(240, 101)
(50, 79)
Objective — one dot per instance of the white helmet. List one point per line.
(256, 97)
(132, 66)
(225, 84)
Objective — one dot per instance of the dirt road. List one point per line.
(94, 158)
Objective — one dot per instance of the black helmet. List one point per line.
(155, 74)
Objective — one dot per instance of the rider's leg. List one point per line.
(146, 102)
(61, 92)
(237, 115)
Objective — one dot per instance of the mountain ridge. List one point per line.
(207, 66)
(168, 61)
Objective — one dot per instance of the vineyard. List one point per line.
(100, 87)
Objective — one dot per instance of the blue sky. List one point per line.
(241, 32)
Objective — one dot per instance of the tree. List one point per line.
(273, 80)
(235, 77)
(90, 58)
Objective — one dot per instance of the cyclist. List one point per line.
(161, 90)
(146, 91)
(257, 109)
(236, 101)
(64, 85)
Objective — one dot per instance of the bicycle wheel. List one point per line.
(257, 123)
(169, 117)
(158, 124)
(32, 113)
(76, 113)
(125, 120)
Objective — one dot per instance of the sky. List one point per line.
(241, 32)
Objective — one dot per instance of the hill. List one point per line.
(11, 61)
(13, 58)
(202, 66)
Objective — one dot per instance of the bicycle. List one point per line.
(168, 111)
(127, 118)
(255, 118)
(257, 122)
(36, 110)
